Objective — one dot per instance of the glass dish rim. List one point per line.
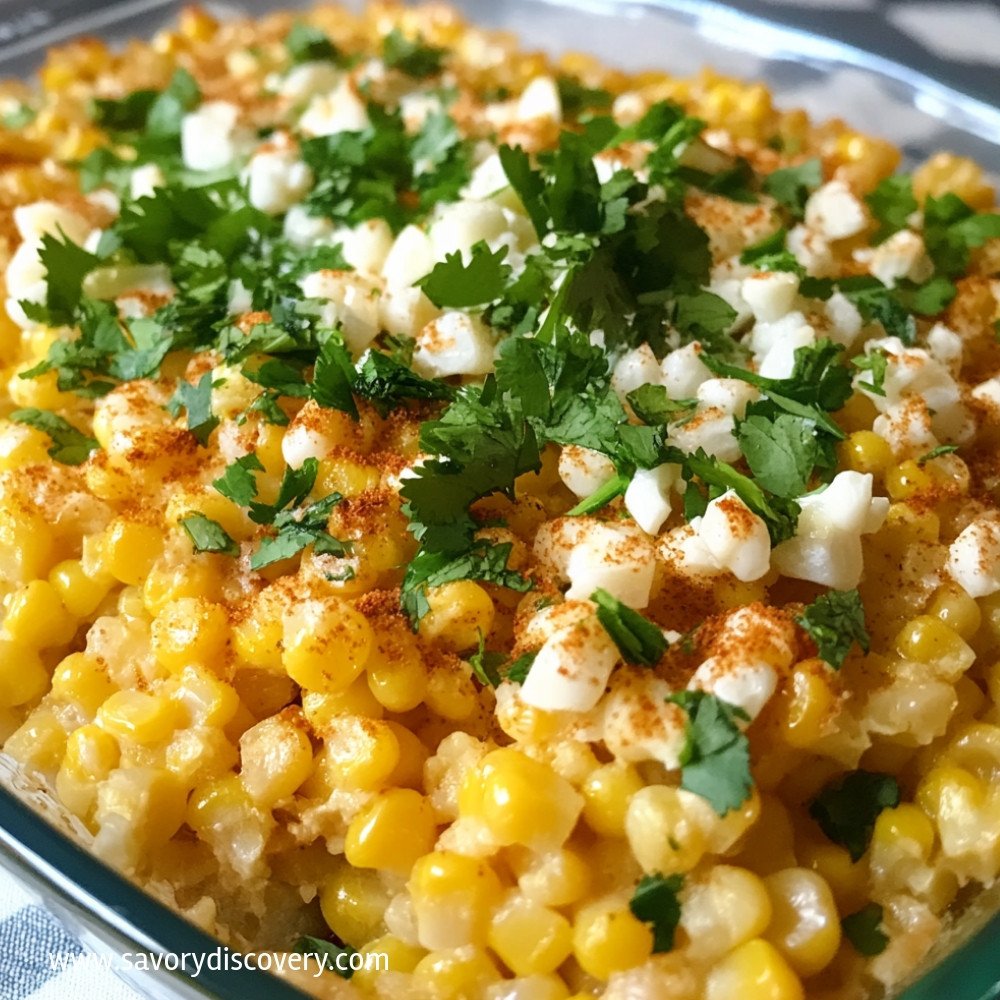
(38, 852)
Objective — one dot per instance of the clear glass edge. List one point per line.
(42, 856)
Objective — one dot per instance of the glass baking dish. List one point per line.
(827, 77)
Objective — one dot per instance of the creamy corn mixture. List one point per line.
(531, 521)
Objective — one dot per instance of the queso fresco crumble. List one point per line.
(530, 521)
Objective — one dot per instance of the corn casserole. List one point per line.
(535, 522)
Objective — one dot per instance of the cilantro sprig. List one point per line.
(69, 446)
(656, 901)
(637, 638)
(846, 809)
(835, 622)
(715, 762)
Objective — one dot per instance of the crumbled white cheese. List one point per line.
(341, 110)
(974, 558)
(455, 343)
(277, 179)
(835, 212)
(144, 180)
(212, 137)
(683, 371)
(540, 99)
(351, 302)
(736, 537)
(617, 557)
(411, 257)
(365, 246)
(640, 724)
(635, 368)
(583, 471)
(647, 497)
(308, 79)
(770, 295)
(902, 255)
(460, 225)
(746, 685)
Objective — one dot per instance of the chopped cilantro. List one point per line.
(208, 536)
(477, 561)
(386, 383)
(846, 809)
(835, 621)
(601, 497)
(297, 529)
(652, 405)
(715, 762)
(66, 265)
(771, 254)
(518, 670)
(941, 449)
(877, 363)
(781, 451)
(865, 931)
(952, 229)
(891, 203)
(333, 378)
(69, 446)
(337, 955)
(411, 56)
(238, 483)
(637, 638)
(307, 43)
(576, 98)
(129, 113)
(455, 285)
(490, 667)
(18, 116)
(656, 902)
(791, 186)
(197, 401)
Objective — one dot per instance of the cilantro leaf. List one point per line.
(879, 304)
(456, 285)
(846, 809)
(295, 486)
(952, 229)
(575, 97)
(528, 184)
(386, 383)
(333, 378)
(66, 265)
(307, 43)
(864, 930)
(125, 114)
(835, 621)
(655, 902)
(337, 955)
(487, 665)
(238, 482)
(69, 446)
(197, 401)
(479, 561)
(891, 203)
(877, 363)
(781, 452)
(715, 762)
(791, 186)
(411, 56)
(517, 670)
(652, 405)
(770, 254)
(779, 514)
(208, 536)
(637, 638)
(163, 122)
(18, 116)
(297, 529)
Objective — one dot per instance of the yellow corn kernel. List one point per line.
(346, 476)
(769, 844)
(213, 803)
(321, 706)
(396, 672)
(450, 691)
(37, 617)
(805, 924)
(460, 612)
(130, 549)
(391, 832)
(21, 445)
(755, 969)
(40, 742)
(353, 902)
(326, 644)
(608, 938)
(130, 602)
(530, 939)
(136, 715)
(957, 610)
(556, 878)
(197, 24)
(23, 676)
(275, 757)
(912, 525)
(723, 908)
(204, 699)
(906, 480)
(257, 636)
(359, 753)
(413, 754)
(807, 705)
(91, 755)
(453, 897)
(865, 451)
(82, 679)
(905, 823)
(847, 879)
(455, 974)
(947, 173)
(27, 547)
(606, 794)
(399, 957)
(929, 640)
(521, 800)
(190, 630)
(81, 594)
(948, 791)
(857, 413)
(198, 577)
(662, 807)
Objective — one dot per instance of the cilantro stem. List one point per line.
(602, 496)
